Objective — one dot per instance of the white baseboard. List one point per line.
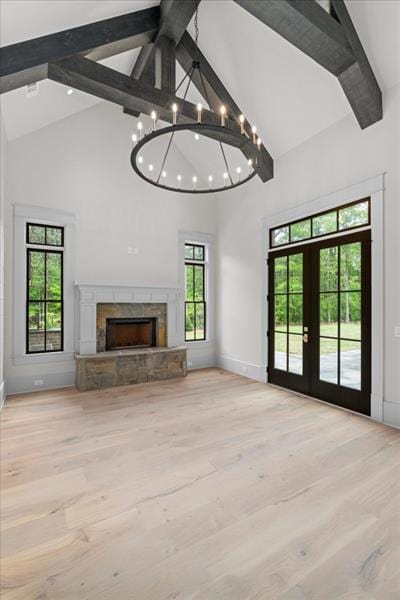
(26, 383)
(201, 355)
(241, 368)
(391, 413)
(2, 393)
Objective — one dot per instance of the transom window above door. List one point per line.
(350, 216)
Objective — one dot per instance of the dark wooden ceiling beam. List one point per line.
(358, 81)
(213, 90)
(307, 26)
(165, 65)
(26, 62)
(175, 16)
(108, 84)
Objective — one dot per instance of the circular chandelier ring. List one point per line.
(198, 128)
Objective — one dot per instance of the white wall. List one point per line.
(336, 158)
(2, 262)
(81, 164)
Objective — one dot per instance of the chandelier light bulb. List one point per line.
(179, 178)
(241, 121)
(210, 180)
(238, 171)
(199, 109)
(254, 131)
(164, 174)
(258, 143)
(194, 179)
(225, 176)
(140, 160)
(140, 127)
(174, 113)
(250, 163)
(151, 168)
(196, 137)
(134, 138)
(223, 115)
(153, 116)
(70, 91)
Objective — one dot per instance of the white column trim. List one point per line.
(373, 188)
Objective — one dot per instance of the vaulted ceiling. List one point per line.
(284, 92)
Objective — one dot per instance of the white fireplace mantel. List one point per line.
(88, 296)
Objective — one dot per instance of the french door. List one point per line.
(320, 320)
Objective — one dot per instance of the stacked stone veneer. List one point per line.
(118, 310)
(108, 369)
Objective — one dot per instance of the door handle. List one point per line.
(305, 338)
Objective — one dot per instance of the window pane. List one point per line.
(189, 282)
(328, 269)
(280, 236)
(328, 315)
(53, 277)
(280, 351)
(189, 251)
(36, 264)
(36, 234)
(350, 364)
(300, 230)
(328, 360)
(54, 236)
(281, 313)
(324, 224)
(350, 266)
(296, 354)
(199, 252)
(296, 313)
(198, 282)
(354, 216)
(296, 273)
(350, 315)
(280, 265)
(36, 319)
(189, 322)
(53, 326)
(200, 325)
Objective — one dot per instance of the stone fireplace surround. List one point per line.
(98, 368)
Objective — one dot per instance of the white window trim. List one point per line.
(35, 214)
(373, 188)
(208, 240)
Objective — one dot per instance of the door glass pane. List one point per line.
(300, 230)
(350, 315)
(296, 354)
(350, 364)
(36, 327)
(328, 315)
(280, 351)
(296, 273)
(328, 269)
(53, 279)
(281, 313)
(350, 266)
(280, 266)
(280, 236)
(296, 313)
(328, 360)
(36, 264)
(354, 216)
(324, 224)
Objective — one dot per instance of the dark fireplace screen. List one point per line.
(135, 332)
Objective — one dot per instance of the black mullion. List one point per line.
(287, 311)
(339, 374)
(45, 295)
(194, 303)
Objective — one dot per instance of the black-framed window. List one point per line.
(349, 216)
(195, 292)
(44, 294)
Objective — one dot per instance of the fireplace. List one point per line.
(131, 332)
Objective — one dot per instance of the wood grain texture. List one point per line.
(210, 487)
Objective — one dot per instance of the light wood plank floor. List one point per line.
(210, 487)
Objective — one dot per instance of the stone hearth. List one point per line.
(126, 367)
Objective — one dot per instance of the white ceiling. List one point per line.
(288, 96)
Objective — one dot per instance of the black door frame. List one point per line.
(309, 382)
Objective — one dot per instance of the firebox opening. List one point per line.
(135, 332)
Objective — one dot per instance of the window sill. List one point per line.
(190, 344)
(31, 359)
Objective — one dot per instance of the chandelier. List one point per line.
(217, 132)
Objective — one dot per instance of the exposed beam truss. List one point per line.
(26, 62)
(331, 42)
